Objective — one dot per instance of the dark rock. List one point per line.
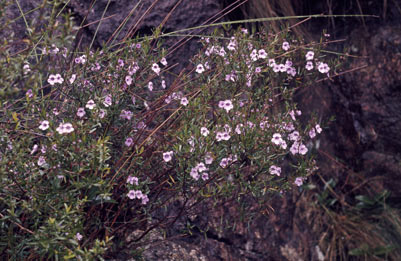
(18, 28)
(145, 17)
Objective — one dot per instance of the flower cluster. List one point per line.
(53, 79)
(124, 133)
(65, 128)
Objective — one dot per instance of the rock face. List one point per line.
(371, 97)
(184, 14)
(19, 28)
(145, 16)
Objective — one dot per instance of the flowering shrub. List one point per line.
(102, 140)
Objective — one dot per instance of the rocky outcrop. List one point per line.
(371, 97)
(143, 17)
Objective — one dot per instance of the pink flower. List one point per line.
(292, 71)
(44, 125)
(264, 124)
(167, 156)
(294, 136)
(239, 128)
(312, 133)
(78, 236)
(125, 114)
(41, 161)
(29, 93)
(81, 112)
(309, 65)
(59, 79)
(201, 167)
(131, 194)
(262, 54)
(309, 55)
(227, 128)
(194, 173)
(141, 125)
(128, 142)
(274, 170)
(318, 129)
(208, 158)
(254, 55)
(282, 67)
(227, 105)
(205, 176)
(120, 63)
(83, 59)
(139, 194)
(52, 79)
(145, 199)
(150, 86)
(323, 68)
(128, 80)
(168, 99)
(277, 139)
(72, 79)
(132, 180)
(102, 113)
(219, 136)
(65, 128)
(200, 68)
(90, 105)
(272, 62)
(26, 69)
(204, 131)
(107, 101)
(34, 149)
(96, 67)
(163, 61)
(184, 101)
(286, 46)
(292, 114)
(294, 148)
(222, 52)
(133, 68)
(231, 46)
(288, 126)
(156, 68)
(299, 181)
(224, 162)
(302, 149)
(250, 124)
(55, 111)
(222, 136)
